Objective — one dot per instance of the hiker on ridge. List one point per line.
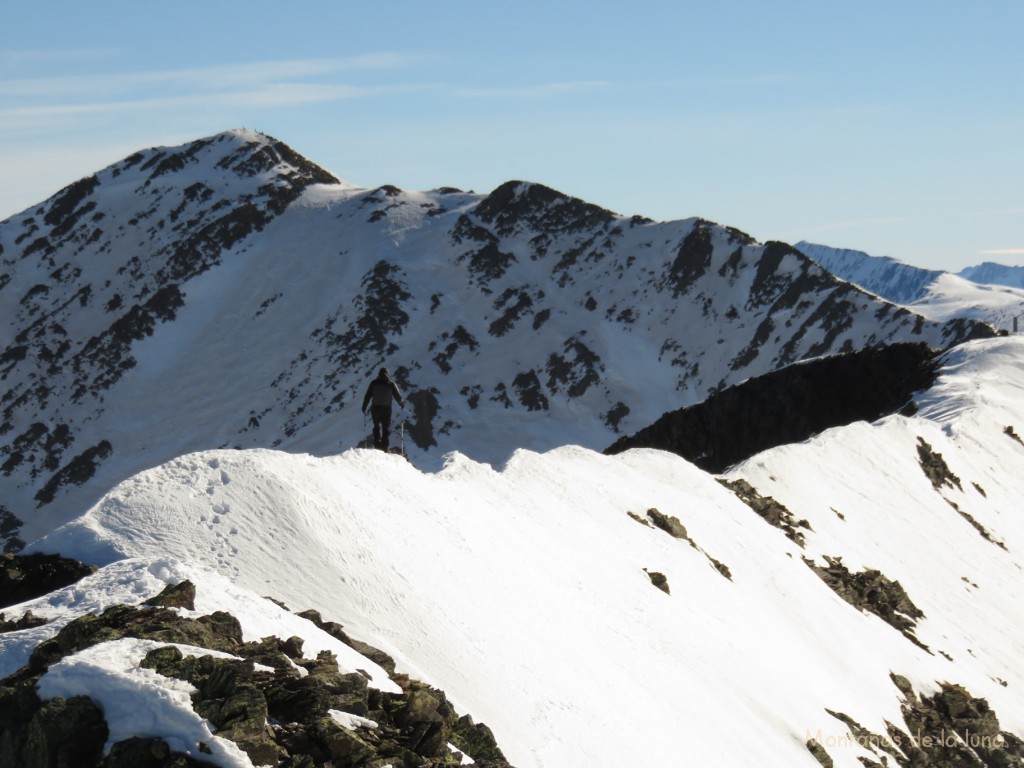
(380, 392)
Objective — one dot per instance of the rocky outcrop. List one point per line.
(772, 511)
(935, 467)
(290, 711)
(951, 729)
(659, 580)
(24, 577)
(871, 591)
(790, 405)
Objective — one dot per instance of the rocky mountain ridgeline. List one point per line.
(790, 405)
(231, 293)
(265, 696)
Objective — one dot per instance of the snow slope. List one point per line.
(522, 591)
(937, 295)
(231, 293)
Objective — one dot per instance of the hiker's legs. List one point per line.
(381, 426)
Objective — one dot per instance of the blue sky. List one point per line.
(890, 127)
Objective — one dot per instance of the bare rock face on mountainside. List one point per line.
(230, 293)
(279, 713)
(790, 405)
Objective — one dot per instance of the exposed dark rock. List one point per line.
(659, 580)
(181, 595)
(512, 311)
(9, 527)
(976, 525)
(950, 729)
(614, 415)
(871, 591)
(27, 621)
(819, 753)
(518, 204)
(529, 391)
(26, 577)
(478, 740)
(1011, 433)
(935, 467)
(773, 512)
(671, 525)
(139, 752)
(578, 369)
(381, 315)
(668, 523)
(278, 718)
(692, 260)
(68, 200)
(458, 339)
(790, 405)
(78, 471)
(487, 264)
(642, 521)
(107, 356)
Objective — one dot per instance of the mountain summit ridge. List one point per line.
(229, 292)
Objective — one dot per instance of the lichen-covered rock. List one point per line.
(138, 752)
(870, 590)
(476, 739)
(773, 512)
(668, 523)
(935, 467)
(659, 580)
(951, 729)
(280, 717)
(181, 595)
(63, 732)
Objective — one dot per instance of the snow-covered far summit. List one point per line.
(231, 293)
(884, 276)
(989, 273)
(934, 294)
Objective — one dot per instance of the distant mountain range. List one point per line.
(231, 293)
(989, 273)
(989, 292)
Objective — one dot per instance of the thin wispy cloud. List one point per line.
(540, 91)
(273, 95)
(202, 78)
(1003, 252)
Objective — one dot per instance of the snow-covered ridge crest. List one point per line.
(230, 292)
(933, 294)
(530, 580)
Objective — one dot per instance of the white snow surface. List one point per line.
(521, 591)
(140, 702)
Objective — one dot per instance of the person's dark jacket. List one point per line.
(381, 392)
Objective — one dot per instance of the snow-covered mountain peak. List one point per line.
(230, 292)
(933, 294)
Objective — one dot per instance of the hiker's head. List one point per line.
(384, 373)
